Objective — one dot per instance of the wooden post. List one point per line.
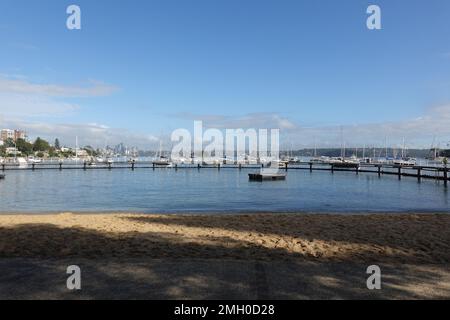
(445, 177)
(310, 167)
(32, 166)
(60, 166)
(3, 167)
(109, 165)
(176, 166)
(218, 166)
(132, 165)
(286, 166)
(379, 170)
(240, 166)
(198, 166)
(357, 169)
(332, 168)
(419, 174)
(84, 165)
(400, 173)
(153, 165)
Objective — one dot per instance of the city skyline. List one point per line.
(135, 74)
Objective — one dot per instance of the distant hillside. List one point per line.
(379, 152)
(445, 153)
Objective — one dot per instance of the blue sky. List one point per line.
(139, 69)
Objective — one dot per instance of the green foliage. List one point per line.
(90, 151)
(24, 147)
(67, 154)
(41, 145)
(445, 153)
(9, 143)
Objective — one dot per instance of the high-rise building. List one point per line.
(20, 134)
(6, 134)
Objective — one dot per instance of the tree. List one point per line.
(57, 145)
(445, 153)
(90, 151)
(24, 147)
(9, 143)
(40, 145)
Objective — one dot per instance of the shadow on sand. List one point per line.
(33, 260)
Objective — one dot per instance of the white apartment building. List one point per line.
(6, 134)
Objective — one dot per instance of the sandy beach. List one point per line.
(399, 238)
(251, 256)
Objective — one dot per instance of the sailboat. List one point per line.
(161, 160)
(404, 160)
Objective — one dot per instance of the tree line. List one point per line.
(41, 148)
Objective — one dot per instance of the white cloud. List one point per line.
(21, 86)
(33, 105)
(251, 120)
(93, 134)
(419, 132)
(19, 96)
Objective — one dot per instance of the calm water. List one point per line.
(189, 190)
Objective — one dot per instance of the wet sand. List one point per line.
(377, 238)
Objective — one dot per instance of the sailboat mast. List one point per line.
(315, 148)
(76, 148)
(386, 147)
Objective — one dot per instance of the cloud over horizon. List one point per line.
(266, 120)
(19, 96)
(94, 134)
(21, 100)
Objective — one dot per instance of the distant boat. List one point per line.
(32, 160)
(161, 160)
(405, 161)
(263, 176)
(283, 163)
(92, 164)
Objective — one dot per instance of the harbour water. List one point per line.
(206, 190)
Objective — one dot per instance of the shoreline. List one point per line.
(226, 213)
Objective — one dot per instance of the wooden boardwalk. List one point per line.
(418, 172)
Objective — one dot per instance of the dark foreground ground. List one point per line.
(217, 279)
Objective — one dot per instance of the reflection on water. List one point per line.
(190, 190)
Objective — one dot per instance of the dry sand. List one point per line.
(397, 238)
